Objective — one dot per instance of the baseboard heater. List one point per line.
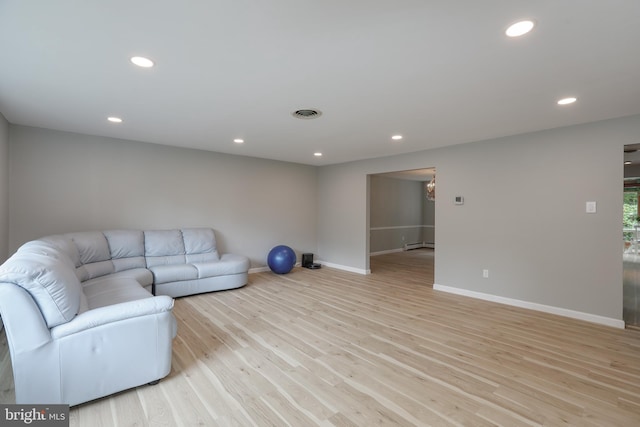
(417, 245)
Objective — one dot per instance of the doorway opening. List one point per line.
(631, 236)
(401, 222)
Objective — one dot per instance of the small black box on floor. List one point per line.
(307, 261)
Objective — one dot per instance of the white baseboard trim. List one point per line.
(593, 318)
(388, 251)
(345, 268)
(414, 245)
(328, 264)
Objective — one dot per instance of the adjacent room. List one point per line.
(259, 213)
(631, 233)
(402, 222)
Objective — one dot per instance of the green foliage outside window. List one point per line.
(630, 212)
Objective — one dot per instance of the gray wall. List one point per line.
(523, 219)
(4, 189)
(63, 182)
(343, 216)
(398, 213)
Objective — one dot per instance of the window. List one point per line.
(630, 214)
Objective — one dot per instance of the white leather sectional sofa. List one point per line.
(89, 314)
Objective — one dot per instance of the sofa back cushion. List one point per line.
(94, 254)
(200, 245)
(126, 248)
(163, 247)
(58, 247)
(47, 273)
(64, 243)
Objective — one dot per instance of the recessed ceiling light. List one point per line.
(566, 101)
(306, 114)
(318, 154)
(396, 137)
(238, 141)
(113, 119)
(519, 28)
(628, 162)
(141, 61)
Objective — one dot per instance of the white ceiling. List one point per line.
(437, 72)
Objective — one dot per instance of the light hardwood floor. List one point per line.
(331, 348)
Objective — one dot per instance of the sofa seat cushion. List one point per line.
(173, 273)
(140, 275)
(109, 290)
(94, 269)
(228, 264)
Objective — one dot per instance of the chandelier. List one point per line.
(430, 188)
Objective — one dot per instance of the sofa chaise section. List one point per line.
(186, 262)
(70, 347)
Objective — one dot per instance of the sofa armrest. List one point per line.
(24, 325)
(113, 313)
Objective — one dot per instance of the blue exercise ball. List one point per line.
(281, 259)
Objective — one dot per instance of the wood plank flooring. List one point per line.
(332, 348)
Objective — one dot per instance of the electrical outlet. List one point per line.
(485, 273)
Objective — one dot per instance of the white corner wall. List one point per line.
(523, 218)
(4, 189)
(63, 182)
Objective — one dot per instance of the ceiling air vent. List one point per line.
(306, 114)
